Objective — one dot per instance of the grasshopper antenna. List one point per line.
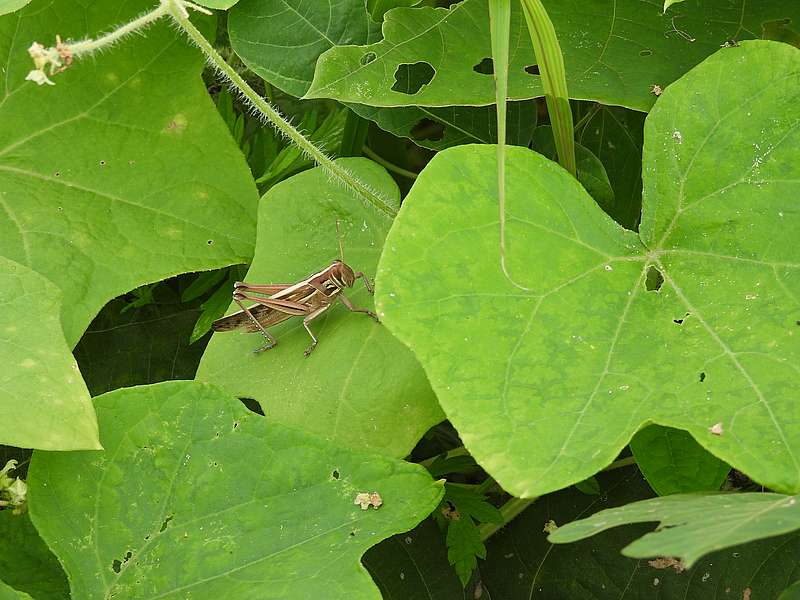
(339, 236)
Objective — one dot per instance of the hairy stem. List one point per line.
(271, 114)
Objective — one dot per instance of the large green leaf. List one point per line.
(195, 496)
(26, 562)
(120, 174)
(43, 400)
(360, 387)
(685, 529)
(695, 325)
(281, 40)
(614, 51)
(522, 564)
(673, 462)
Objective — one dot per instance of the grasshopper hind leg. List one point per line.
(271, 341)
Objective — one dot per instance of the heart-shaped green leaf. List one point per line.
(195, 496)
(685, 530)
(614, 52)
(43, 400)
(695, 325)
(120, 174)
(360, 386)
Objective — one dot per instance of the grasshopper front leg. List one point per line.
(346, 301)
(367, 282)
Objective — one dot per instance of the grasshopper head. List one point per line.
(342, 275)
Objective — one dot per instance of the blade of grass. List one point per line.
(554, 80)
(499, 30)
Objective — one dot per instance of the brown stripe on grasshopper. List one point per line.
(275, 303)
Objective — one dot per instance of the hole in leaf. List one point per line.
(681, 320)
(57, 174)
(368, 58)
(409, 78)
(654, 279)
(702, 377)
(485, 67)
(427, 129)
(116, 564)
(102, 163)
(235, 424)
(532, 69)
(352, 533)
(165, 523)
(335, 474)
(210, 242)
(645, 52)
(252, 405)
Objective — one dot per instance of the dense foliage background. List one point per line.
(633, 355)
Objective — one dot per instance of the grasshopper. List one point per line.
(277, 302)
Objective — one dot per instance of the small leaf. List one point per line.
(589, 486)
(467, 502)
(673, 462)
(464, 547)
(685, 530)
(186, 465)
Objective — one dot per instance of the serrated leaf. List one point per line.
(121, 174)
(521, 563)
(195, 495)
(464, 547)
(360, 386)
(612, 54)
(588, 353)
(26, 562)
(685, 530)
(43, 400)
(468, 502)
(673, 462)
